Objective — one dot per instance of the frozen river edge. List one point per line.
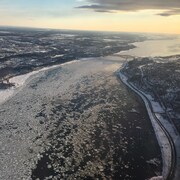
(19, 81)
(166, 134)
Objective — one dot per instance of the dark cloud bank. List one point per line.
(170, 7)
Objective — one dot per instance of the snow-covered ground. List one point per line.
(176, 138)
(161, 136)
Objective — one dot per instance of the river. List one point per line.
(163, 47)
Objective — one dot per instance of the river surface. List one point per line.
(77, 121)
(154, 48)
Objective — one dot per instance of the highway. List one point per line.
(170, 174)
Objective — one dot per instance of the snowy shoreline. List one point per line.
(20, 80)
(155, 113)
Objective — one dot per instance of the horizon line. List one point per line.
(84, 30)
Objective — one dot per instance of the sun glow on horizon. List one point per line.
(64, 15)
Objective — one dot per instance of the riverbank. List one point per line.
(165, 131)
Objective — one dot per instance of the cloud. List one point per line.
(170, 12)
(169, 7)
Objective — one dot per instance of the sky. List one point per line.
(157, 16)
